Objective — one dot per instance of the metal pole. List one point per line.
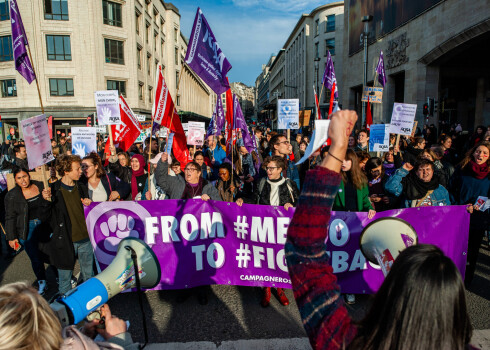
(364, 81)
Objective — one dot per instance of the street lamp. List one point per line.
(317, 64)
(364, 37)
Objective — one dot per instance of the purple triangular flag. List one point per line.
(218, 119)
(329, 76)
(380, 69)
(205, 57)
(19, 42)
(240, 123)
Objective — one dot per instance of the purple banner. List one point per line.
(218, 119)
(241, 124)
(202, 243)
(19, 43)
(329, 76)
(380, 69)
(205, 57)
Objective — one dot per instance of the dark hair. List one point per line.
(18, 147)
(18, 169)
(126, 155)
(64, 163)
(417, 140)
(423, 288)
(469, 155)
(363, 130)
(175, 162)
(373, 163)
(355, 173)
(363, 156)
(443, 138)
(96, 161)
(196, 165)
(275, 140)
(198, 153)
(280, 162)
(423, 162)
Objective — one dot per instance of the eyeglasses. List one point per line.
(271, 168)
(190, 169)
(86, 166)
(286, 142)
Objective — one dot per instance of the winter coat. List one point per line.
(288, 193)
(439, 196)
(363, 202)
(17, 214)
(73, 339)
(110, 183)
(126, 174)
(62, 253)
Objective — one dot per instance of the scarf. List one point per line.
(389, 168)
(414, 188)
(193, 191)
(479, 171)
(135, 174)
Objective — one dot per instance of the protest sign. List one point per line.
(147, 124)
(83, 141)
(196, 132)
(163, 132)
(318, 138)
(203, 243)
(288, 113)
(379, 138)
(304, 117)
(144, 134)
(140, 117)
(100, 129)
(375, 94)
(107, 103)
(170, 141)
(402, 118)
(37, 141)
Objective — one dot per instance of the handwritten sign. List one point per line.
(375, 94)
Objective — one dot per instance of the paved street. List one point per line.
(233, 319)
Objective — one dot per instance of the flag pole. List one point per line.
(332, 95)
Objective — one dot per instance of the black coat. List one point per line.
(110, 184)
(288, 193)
(61, 251)
(17, 214)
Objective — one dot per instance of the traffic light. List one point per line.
(425, 109)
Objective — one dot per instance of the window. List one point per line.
(317, 52)
(140, 91)
(6, 49)
(9, 88)
(163, 45)
(114, 51)
(147, 32)
(177, 56)
(58, 47)
(61, 87)
(138, 57)
(330, 24)
(4, 10)
(330, 46)
(117, 85)
(148, 63)
(176, 33)
(56, 10)
(178, 100)
(111, 12)
(155, 40)
(137, 23)
(176, 79)
(150, 95)
(317, 25)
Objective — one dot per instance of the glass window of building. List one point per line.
(138, 56)
(148, 63)
(317, 27)
(56, 10)
(176, 79)
(4, 10)
(61, 87)
(330, 23)
(140, 91)
(137, 22)
(117, 85)
(150, 94)
(176, 55)
(58, 47)
(317, 52)
(111, 12)
(6, 49)
(9, 88)
(114, 51)
(330, 46)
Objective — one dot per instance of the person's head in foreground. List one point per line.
(420, 305)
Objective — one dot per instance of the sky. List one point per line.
(248, 31)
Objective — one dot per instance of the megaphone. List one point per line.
(383, 239)
(120, 275)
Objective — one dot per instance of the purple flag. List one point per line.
(329, 76)
(240, 123)
(380, 69)
(218, 119)
(19, 42)
(205, 57)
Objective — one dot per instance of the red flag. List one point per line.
(50, 127)
(164, 113)
(130, 128)
(229, 120)
(369, 116)
(317, 104)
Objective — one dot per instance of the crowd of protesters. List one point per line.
(423, 170)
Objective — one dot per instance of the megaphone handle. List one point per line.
(139, 291)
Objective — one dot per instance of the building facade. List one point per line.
(79, 47)
(433, 50)
(246, 97)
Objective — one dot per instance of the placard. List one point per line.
(107, 103)
(83, 140)
(318, 138)
(144, 134)
(196, 132)
(140, 117)
(146, 124)
(402, 118)
(379, 138)
(288, 113)
(37, 141)
(101, 129)
(304, 117)
(375, 94)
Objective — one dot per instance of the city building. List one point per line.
(433, 51)
(79, 47)
(246, 97)
(300, 63)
